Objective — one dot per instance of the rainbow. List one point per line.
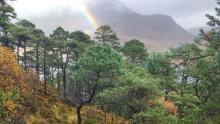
(89, 16)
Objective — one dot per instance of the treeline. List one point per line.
(180, 85)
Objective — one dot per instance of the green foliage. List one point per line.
(26, 24)
(82, 41)
(7, 105)
(95, 70)
(131, 93)
(97, 67)
(158, 63)
(105, 35)
(135, 51)
(59, 34)
(80, 37)
(6, 12)
(20, 33)
(156, 115)
(99, 59)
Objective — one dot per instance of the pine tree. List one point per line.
(6, 14)
(105, 35)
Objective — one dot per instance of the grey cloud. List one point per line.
(187, 13)
(171, 7)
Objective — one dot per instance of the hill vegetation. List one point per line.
(23, 99)
(67, 77)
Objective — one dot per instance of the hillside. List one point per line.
(23, 100)
(51, 110)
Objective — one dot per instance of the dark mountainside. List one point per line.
(157, 31)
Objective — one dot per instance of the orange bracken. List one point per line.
(11, 73)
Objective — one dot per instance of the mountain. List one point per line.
(157, 31)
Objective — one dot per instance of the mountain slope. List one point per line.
(157, 31)
(131, 23)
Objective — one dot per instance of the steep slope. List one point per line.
(51, 110)
(155, 29)
(127, 22)
(22, 99)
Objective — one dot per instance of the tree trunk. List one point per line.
(45, 79)
(64, 82)
(79, 114)
(6, 39)
(18, 52)
(184, 81)
(25, 56)
(37, 58)
(112, 118)
(52, 77)
(105, 116)
(77, 89)
(166, 94)
(82, 103)
(133, 59)
(64, 76)
(77, 56)
(195, 86)
(58, 80)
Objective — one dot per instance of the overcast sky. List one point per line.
(187, 13)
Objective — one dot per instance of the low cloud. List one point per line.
(187, 13)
